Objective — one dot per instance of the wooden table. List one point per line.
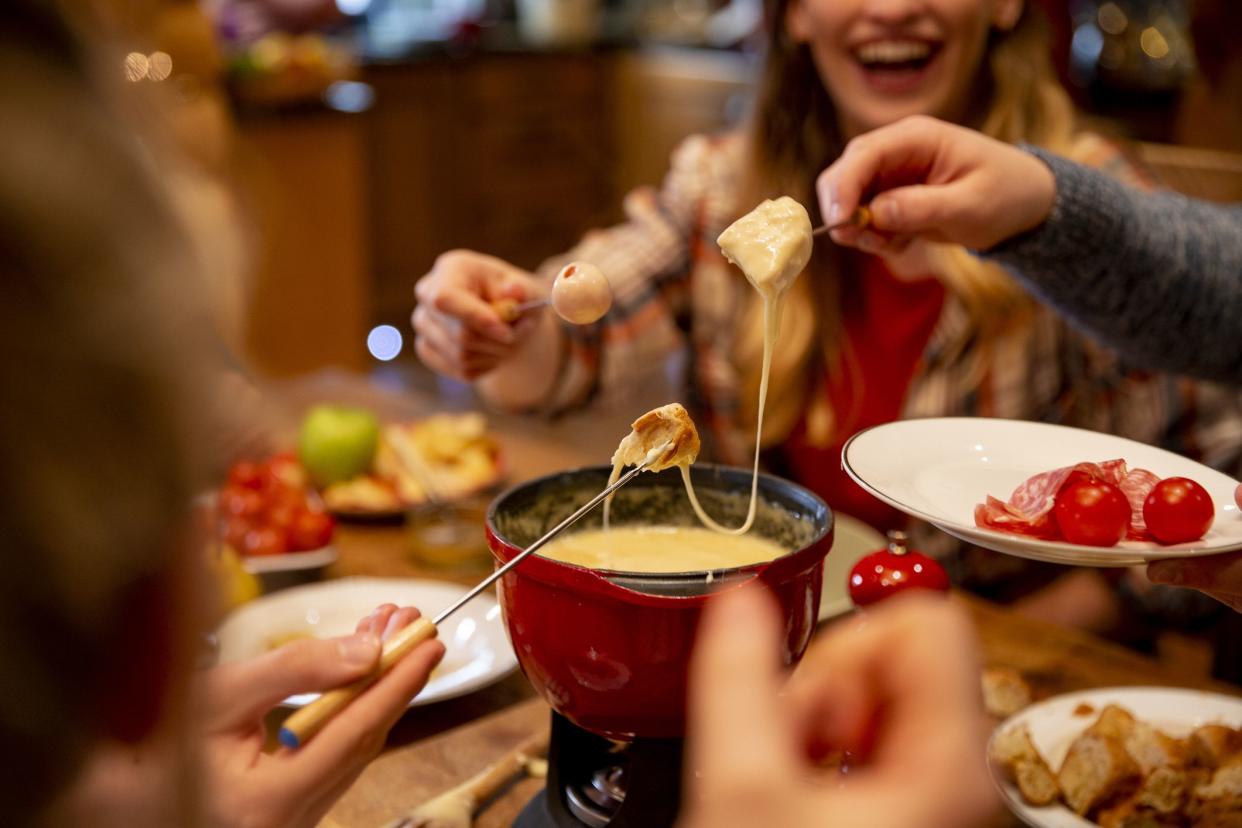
(415, 768)
(437, 746)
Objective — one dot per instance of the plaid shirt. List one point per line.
(675, 294)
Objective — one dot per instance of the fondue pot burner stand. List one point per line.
(594, 783)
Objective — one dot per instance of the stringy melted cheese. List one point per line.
(772, 245)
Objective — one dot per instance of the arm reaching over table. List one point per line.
(899, 691)
(1156, 277)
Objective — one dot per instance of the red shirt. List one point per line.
(887, 322)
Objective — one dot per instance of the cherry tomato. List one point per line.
(246, 475)
(880, 574)
(265, 540)
(1178, 510)
(310, 530)
(287, 471)
(1076, 477)
(1092, 513)
(281, 497)
(281, 515)
(235, 530)
(245, 503)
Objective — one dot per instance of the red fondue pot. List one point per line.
(609, 650)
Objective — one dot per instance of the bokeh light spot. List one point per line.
(384, 342)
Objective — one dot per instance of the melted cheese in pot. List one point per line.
(660, 549)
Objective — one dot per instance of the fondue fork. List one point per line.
(305, 723)
(859, 218)
(455, 807)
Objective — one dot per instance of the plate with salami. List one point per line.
(1021, 488)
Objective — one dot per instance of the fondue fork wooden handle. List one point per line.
(456, 806)
(510, 310)
(308, 721)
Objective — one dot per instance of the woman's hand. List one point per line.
(926, 179)
(245, 785)
(458, 331)
(897, 688)
(1220, 576)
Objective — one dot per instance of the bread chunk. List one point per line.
(667, 424)
(1152, 749)
(1013, 745)
(1212, 745)
(1005, 692)
(1226, 782)
(1096, 769)
(1015, 753)
(771, 244)
(1115, 722)
(1163, 791)
(1036, 782)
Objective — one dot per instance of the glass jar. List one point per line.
(450, 537)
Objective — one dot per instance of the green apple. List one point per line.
(337, 443)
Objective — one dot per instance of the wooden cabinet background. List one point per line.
(512, 154)
(310, 296)
(506, 154)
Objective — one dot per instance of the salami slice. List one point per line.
(1003, 517)
(1136, 486)
(1029, 509)
(1036, 497)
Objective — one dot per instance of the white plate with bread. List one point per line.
(1122, 756)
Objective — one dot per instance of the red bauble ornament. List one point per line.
(888, 571)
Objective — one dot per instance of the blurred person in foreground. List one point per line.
(929, 330)
(107, 341)
(896, 692)
(1156, 276)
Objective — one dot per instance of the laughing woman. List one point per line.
(865, 339)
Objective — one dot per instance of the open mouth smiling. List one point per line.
(895, 56)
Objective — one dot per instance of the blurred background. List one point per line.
(364, 137)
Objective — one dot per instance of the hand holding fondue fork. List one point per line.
(308, 721)
(476, 311)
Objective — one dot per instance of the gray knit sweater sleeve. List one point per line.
(1156, 277)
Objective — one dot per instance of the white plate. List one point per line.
(478, 646)
(851, 539)
(290, 561)
(1053, 726)
(939, 469)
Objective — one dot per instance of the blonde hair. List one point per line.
(793, 135)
